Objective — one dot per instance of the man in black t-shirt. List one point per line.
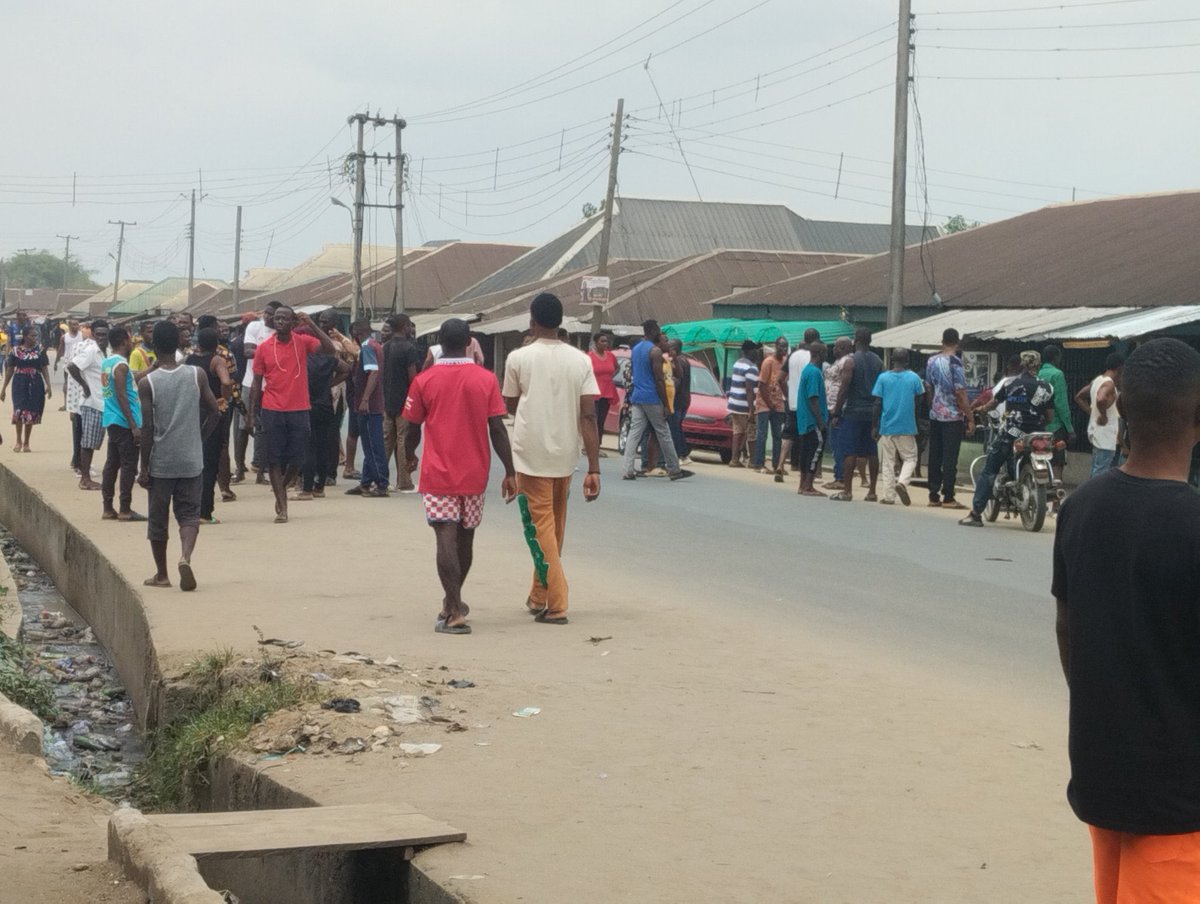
(1126, 579)
(1028, 405)
(401, 361)
(854, 414)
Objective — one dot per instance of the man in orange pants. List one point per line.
(1126, 564)
(551, 389)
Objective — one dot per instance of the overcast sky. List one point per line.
(138, 98)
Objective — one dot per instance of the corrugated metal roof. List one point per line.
(1139, 322)
(152, 297)
(1137, 251)
(1024, 324)
(657, 230)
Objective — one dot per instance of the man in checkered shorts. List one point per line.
(459, 405)
(85, 369)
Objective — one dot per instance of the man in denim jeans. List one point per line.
(648, 402)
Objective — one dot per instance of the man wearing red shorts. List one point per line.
(459, 404)
(1126, 570)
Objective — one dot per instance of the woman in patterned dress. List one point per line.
(28, 369)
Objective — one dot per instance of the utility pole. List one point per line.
(606, 229)
(67, 260)
(359, 198)
(191, 251)
(895, 307)
(120, 248)
(398, 299)
(237, 260)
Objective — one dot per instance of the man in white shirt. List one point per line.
(257, 332)
(1099, 399)
(85, 369)
(551, 389)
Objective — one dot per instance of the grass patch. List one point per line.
(230, 698)
(14, 683)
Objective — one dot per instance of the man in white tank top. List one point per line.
(1099, 400)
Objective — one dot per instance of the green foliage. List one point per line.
(959, 223)
(230, 699)
(43, 270)
(18, 687)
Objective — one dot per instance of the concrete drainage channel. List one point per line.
(96, 740)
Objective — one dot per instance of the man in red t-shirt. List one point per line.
(281, 382)
(460, 405)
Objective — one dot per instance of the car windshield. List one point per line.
(704, 383)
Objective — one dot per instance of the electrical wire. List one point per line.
(1078, 25)
(1032, 9)
(539, 80)
(606, 75)
(1056, 49)
(1057, 78)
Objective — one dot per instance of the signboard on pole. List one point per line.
(594, 290)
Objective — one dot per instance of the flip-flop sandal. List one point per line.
(132, 516)
(870, 497)
(109, 516)
(281, 519)
(841, 497)
(155, 582)
(440, 627)
(187, 578)
(544, 619)
(229, 497)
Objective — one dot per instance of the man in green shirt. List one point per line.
(1060, 424)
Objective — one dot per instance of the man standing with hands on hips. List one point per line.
(551, 389)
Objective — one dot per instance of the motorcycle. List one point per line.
(1025, 485)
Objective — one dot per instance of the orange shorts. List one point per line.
(1146, 869)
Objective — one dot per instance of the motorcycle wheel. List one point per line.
(623, 432)
(1032, 502)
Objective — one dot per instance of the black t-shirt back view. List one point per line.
(1127, 563)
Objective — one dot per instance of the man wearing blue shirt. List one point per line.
(812, 416)
(895, 425)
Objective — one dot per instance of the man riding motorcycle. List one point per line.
(1028, 402)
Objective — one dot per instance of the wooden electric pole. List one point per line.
(359, 198)
(120, 248)
(237, 261)
(895, 308)
(67, 260)
(398, 299)
(606, 228)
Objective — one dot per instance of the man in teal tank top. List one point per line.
(122, 421)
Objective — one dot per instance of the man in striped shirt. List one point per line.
(743, 382)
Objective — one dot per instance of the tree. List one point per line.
(43, 270)
(959, 223)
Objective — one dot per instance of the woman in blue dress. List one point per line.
(28, 369)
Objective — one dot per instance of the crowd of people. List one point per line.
(813, 397)
(183, 403)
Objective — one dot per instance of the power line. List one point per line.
(539, 80)
(1056, 49)
(1059, 27)
(1032, 9)
(1055, 78)
(606, 75)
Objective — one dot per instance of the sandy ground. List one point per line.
(705, 751)
(53, 842)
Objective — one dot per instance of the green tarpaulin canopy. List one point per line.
(731, 332)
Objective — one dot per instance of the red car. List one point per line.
(705, 426)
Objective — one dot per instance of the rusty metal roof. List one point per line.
(1132, 251)
(1010, 324)
(668, 291)
(662, 230)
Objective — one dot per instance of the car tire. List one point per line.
(726, 455)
